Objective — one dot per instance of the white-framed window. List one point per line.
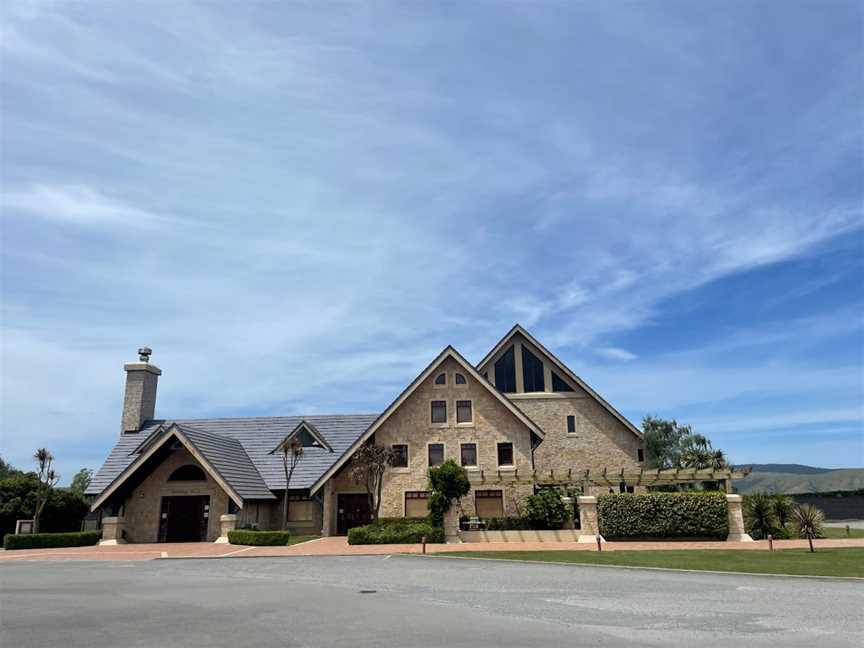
(400, 455)
(441, 379)
(435, 454)
(464, 412)
(438, 412)
(571, 424)
(468, 454)
(459, 380)
(505, 454)
(416, 504)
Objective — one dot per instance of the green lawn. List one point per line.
(834, 532)
(302, 538)
(824, 562)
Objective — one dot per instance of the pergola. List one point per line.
(615, 477)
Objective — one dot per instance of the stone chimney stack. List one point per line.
(139, 403)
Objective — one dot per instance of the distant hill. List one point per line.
(797, 478)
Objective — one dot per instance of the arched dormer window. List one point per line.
(188, 473)
(441, 379)
(459, 379)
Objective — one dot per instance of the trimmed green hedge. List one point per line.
(395, 531)
(663, 515)
(50, 540)
(259, 538)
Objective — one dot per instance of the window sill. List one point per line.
(400, 471)
(572, 435)
(475, 469)
(439, 426)
(507, 468)
(465, 425)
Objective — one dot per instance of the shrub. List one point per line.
(545, 510)
(395, 531)
(508, 524)
(448, 482)
(759, 515)
(663, 515)
(259, 538)
(50, 540)
(807, 520)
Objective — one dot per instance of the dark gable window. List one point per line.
(439, 411)
(505, 372)
(188, 473)
(532, 372)
(400, 455)
(571, 424)
(469, 454)
(463, 411)
(640, 454)
(460, 379)
(505, 454)
(559, 385)
(441, 379)
(436, 454)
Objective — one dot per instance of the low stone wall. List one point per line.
(560, 535)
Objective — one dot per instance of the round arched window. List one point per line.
(188, 473)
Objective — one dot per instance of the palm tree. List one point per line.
(807, 520)
(759, 511)
(783, 506)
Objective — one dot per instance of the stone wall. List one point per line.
(492, 423)
(143, 506)
(600, 441)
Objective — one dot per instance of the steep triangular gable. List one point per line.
(564, 369)
(158, 439)
(308, 435)
(448, 352)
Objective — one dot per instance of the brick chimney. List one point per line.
(139, 403)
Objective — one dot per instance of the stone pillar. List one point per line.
(227, 522)
(327, 504)
(735, 516)
(112, 531)
(451, 526)
(568, 502)
(588, 519)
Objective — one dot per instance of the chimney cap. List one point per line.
(144, 354)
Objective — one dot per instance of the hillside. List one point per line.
(796, 478)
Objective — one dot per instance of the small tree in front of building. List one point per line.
(448, 483)
(292, 453)
(367, 468)
(47, 479)
(807, 520)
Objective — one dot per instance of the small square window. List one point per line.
(463, 411)
(505, 454)
(640, 455)
(436, 454)
(400, 455)
(571, 424)
(439, 411)
(469, 454)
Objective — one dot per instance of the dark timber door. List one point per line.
(184, 518)
(353, 511)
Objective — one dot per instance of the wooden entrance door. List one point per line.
(184, 518)
(353, 510)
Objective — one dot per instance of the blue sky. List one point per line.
(297, 206)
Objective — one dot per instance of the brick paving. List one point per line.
(338, 546)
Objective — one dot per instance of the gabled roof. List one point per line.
(222, 457)
(308, 436)
(448, 352)
(562, 367)
(257, 436)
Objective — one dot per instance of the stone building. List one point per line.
(518, 420)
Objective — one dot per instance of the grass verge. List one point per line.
(840, 533)
(799, 562)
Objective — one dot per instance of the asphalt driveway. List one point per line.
(362, 601)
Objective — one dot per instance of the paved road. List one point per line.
(317, 601)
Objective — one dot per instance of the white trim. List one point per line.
(463, 424)
(458, 385)
(448, 352)
(405, 500)
(443, 453)
(510, 466)
(438, 375)
(175, 431)
(476, 455)
(446, 422)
